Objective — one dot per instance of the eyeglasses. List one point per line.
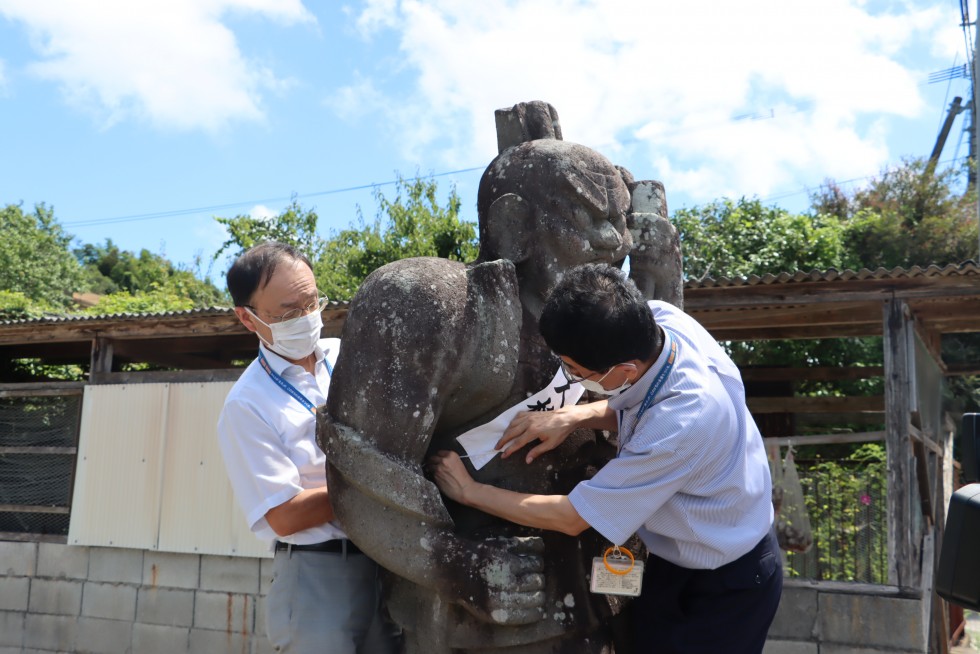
(292, 314)
(573, 378)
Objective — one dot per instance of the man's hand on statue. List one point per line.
(451, 476)
(549, 427)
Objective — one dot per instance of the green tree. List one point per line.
(14, 305)
(154, 301)
(413, 224)
(109, 271)
(740, 238)
(904, 217)
(294, 225)
(35, 259)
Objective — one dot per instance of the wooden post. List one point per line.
(899, 452)
(101, 358)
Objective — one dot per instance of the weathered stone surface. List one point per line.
(434, 347)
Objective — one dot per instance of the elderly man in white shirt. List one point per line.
(325, 593)
(691, 477)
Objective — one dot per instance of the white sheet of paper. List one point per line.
(480, 441)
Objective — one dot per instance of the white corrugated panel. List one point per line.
(119, 472)
(198, 512)
(150, 474)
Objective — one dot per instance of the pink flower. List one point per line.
(866, 499)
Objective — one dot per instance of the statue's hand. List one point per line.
(512, 571)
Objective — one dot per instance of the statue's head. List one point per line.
(554, 203)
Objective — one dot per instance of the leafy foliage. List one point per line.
(155, 301)
(294, 225)
(111, 271)
(726, 238)
(846, 502)
(904, 217)
(35, 256)
(413, 224)
(14, 305)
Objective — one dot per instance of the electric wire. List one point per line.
(232, 205)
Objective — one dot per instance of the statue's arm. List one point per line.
(396, 516)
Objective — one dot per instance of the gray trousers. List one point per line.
(326, 603)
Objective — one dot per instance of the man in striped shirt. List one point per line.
(691, 477)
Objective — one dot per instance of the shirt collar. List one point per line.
(280, 365)
(634, 395)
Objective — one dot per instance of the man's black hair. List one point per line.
(596, 316)
(254, 268)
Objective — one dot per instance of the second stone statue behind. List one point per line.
(432, 348)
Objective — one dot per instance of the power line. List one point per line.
(232, 205)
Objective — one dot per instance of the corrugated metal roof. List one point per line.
(965, 269)
(205, 311)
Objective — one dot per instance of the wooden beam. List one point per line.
(845, 313)
(826, 439)
(926, 502)
(17, 536)
(860, 404)
(169, 376)
(917, 435)
(140, 352)
(899, 451)
(43, 389)
(10, 449)
(815, 373)
(153, 326)
(800, 332)
(31, 508)
(962, 369)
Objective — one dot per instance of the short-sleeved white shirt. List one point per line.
(691, 478)
(268, 440)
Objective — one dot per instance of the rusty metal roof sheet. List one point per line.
(205, 311)
(965, 269)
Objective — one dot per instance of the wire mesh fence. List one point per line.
(847, 505)
(38, 439)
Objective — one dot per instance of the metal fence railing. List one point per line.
(847, 506)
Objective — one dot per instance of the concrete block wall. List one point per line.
(61, 598)
(840, 618)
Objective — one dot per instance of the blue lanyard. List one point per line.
(661, 377)
(289, 388)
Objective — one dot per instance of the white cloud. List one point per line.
(262, 212)
(172, 63)
(3, 77)
(657, 85)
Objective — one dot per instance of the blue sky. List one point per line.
(140, 121)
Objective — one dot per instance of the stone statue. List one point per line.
(432, 348)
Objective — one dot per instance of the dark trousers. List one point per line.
(727, 610)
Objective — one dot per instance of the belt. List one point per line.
(336, 546)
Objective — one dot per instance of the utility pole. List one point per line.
(954, 109)
(975, 134)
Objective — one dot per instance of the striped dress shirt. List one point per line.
(691, 477)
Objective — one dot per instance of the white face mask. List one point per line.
(595, 386)
(293, 339)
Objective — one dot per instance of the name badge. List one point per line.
(616, 573)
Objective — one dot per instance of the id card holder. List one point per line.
(616, 572)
